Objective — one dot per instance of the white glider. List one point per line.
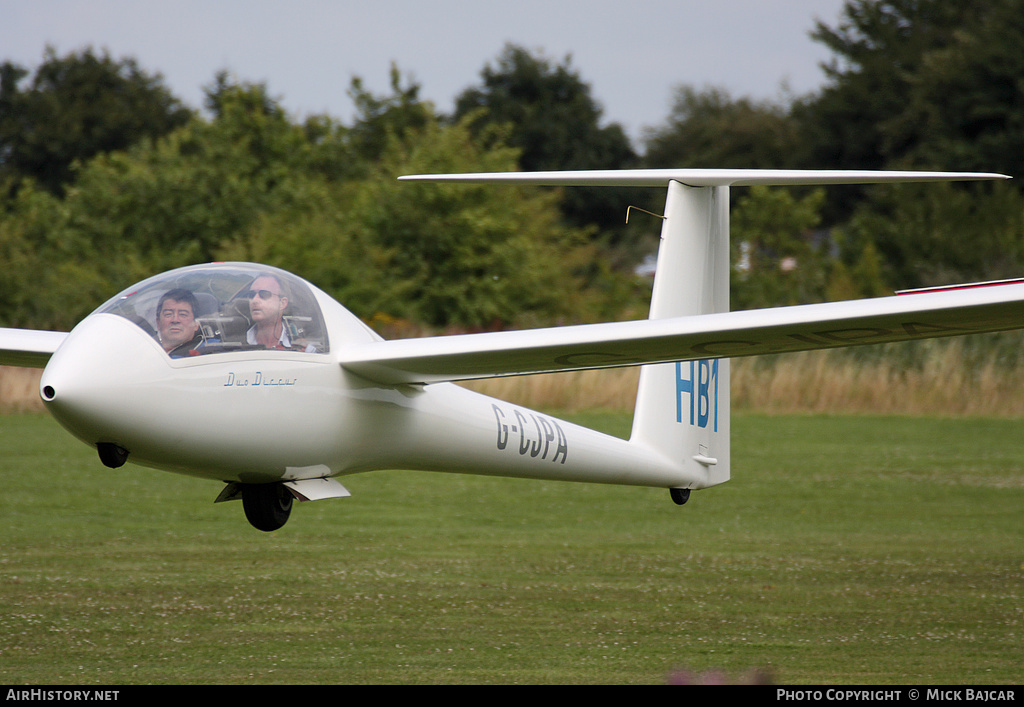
(251, 376)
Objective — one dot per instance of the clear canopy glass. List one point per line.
(220, 308)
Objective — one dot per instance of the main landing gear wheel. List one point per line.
(267, 506)
(112, 455)
(680, 496)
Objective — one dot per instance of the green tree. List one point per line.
(75, 107)
(776, 260)
(157, 205)
(246, 182)
(52, 276)
(380, 118)
(443, 255)
(711, 129)
(556, 125)
(965, 109)
(177, 199)
(920, 83)
(924, 84)
(939, 234)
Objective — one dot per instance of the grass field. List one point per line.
(849, 549)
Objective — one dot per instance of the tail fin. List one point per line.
(682, 409)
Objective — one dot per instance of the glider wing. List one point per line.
(723, 335)
(30, 348)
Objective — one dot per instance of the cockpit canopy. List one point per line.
(224, 307)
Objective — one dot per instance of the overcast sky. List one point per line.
(631, 52)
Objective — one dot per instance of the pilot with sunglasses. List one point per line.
(267, 302)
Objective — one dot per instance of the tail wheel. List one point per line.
(267, 506)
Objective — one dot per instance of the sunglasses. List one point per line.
(263, 294)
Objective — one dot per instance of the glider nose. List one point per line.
(93, 383)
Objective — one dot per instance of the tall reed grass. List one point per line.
(19, 389)
(970, 376)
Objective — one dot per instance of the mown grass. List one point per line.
(846, 549)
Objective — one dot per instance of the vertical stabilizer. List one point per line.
(682, 409)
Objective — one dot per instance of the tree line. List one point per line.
(106, 178)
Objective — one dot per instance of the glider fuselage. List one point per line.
(265, 415)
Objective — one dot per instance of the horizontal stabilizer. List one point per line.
(705, 336)
(703, 177)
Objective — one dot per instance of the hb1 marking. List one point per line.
(699, 390)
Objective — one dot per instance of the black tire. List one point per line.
(267, 506)
(680, 496)
(112, 455)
